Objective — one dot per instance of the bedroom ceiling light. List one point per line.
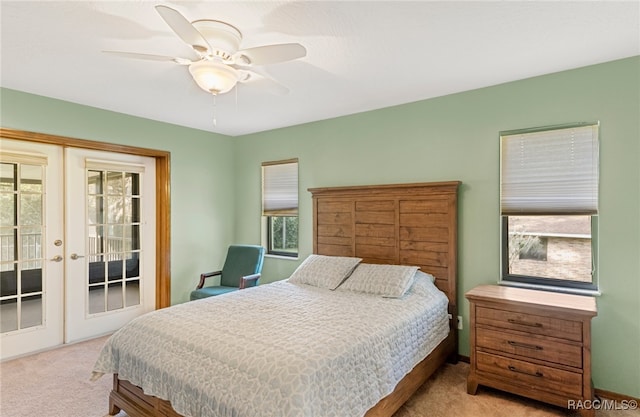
(214, 77)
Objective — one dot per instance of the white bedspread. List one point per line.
(278, 350)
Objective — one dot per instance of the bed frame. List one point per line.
(406, 224)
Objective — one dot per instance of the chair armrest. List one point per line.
(249, 281)
(205, 276)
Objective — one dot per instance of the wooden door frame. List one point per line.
(163, 193)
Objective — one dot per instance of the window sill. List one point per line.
(288, 258)
(575, 291)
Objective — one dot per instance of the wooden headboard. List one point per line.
(404, 224)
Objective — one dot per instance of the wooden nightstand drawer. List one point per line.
(529, 346)
(530, 323)
(538, 377)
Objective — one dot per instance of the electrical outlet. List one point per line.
(459, 322)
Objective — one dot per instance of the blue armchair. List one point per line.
(241, 269)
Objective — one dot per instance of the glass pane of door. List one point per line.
(113, 206)
(21, 254)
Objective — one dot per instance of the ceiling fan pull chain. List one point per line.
(215, 121)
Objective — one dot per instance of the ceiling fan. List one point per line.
(221, 64)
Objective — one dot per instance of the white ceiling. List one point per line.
(361, 55)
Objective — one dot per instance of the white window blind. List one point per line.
(23, 158)
(113, 165)
(280, 188)
(550, 171)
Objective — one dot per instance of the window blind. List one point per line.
(280, 188)
(550, 171)
(113, 165)
(23, 158)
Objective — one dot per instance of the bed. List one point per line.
(257, 354)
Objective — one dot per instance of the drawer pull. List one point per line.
(524, 345)
(537, 374)
(524, 323)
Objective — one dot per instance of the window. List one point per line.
(549, 206)
(533, 247)
(280, 207)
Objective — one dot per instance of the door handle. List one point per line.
(57, 258)
(75, 256)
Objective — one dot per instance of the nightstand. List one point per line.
(532, 343)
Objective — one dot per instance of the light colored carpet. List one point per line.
(56, 384)
(445, 395)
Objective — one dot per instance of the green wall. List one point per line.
(202, 205)
(215, 180)
(456, 138)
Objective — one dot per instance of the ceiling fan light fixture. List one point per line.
(214, 77)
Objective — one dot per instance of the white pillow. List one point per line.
(324, 271)
(391, 281)
(425, 275)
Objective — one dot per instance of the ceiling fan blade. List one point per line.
(263, 82)
(149, 57)
(184, 29)
(269, 54)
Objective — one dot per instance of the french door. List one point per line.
(110, 229)
(31, 253)
(77, 243)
